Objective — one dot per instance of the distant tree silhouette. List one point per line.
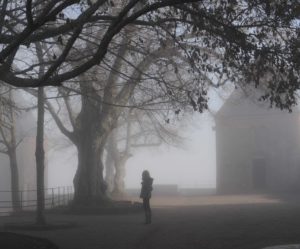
(136, 129)
(9, 141)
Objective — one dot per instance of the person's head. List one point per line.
(145, 174)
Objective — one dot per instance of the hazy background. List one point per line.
(191, 165)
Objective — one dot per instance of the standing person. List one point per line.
(147, 182)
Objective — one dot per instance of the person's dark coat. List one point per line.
(146, 188)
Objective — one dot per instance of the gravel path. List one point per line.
(208, 222)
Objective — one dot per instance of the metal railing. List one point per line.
(54, 197)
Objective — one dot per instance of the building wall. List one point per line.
(245, 140)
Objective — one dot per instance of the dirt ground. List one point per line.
(205, 222)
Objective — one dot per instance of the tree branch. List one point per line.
(3, 14)
(29, 13)
(114, 28)
(4, 151)
(63, 55)
(4, 139)
(69, 109)
(41, 20)
(59, 123)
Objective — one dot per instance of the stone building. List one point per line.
(257, 148)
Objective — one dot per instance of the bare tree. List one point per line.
(39, 146)
(101, 102)
(117, 167)
(40, 160)
(136, 129)
(9, 141)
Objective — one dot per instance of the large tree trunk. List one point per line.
(14, 171)
(89, 183)
(40, 159)
(109, 171)
(120, 159)
(119, 182)
(14, 175)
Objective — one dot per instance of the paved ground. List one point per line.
(208, 222)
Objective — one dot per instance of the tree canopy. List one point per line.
(241, 41)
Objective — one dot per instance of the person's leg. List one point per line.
(150, 212)
(147, 210)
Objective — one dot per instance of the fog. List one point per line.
(192, 165)
(254, 142)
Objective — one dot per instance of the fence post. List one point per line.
(64, 192)
(68, 196)
(58, 196)
(52, 197)
(70, 193)
(21, 199)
